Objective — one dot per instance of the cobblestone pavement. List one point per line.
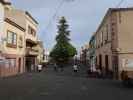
(50, 85)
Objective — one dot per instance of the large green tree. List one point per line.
(63, 50)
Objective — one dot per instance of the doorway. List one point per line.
(19, 65)
(106, 64)
(100, 62)
(30, 63)
(115, 67)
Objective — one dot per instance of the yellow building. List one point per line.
(18, 40)
(12, 43)
(31, 42)
(114, 39)
(84, 54)
(40, 57)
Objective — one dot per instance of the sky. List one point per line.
(83, 16)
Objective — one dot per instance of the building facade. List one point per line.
(92, 53)
(84, 55)
(31, 42)
(18, 40)
(12, 48)
(40, 57)
(46, 56)
(1, 23)
(113, 41)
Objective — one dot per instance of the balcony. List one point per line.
(31, 42)
(31, 35)
(31, 51)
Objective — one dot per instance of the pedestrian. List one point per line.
(99, 73)
(44, 66)
(39, 67)
(55, 67)
(61, 67)
(32, 67)
(75, 68)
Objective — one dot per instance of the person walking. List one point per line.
(99, 73)
(39, 68)
(55, 67)
(32, 67)
(75, 68)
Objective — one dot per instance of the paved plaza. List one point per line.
(50, 85)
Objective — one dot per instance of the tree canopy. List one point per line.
(63, 49)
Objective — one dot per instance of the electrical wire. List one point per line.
(119, 4)
(55, 14)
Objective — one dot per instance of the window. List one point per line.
(101, 39)
(20, 41)
(98, 41)
(120, 17)
(11, 38)
(12, 62)
(31, 31)
(107, 33)
(8, 62)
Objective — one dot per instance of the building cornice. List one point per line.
(14, 24)
(109, 11)
(28, 14)
(5, 3)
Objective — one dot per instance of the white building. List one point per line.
(46, 57)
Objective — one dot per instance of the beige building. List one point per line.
(84, 54)
(46, 56)
(12, 43)
(18, 40)
(31, 42)
(114, 39)
(40, 57)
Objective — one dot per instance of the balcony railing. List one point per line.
(31, 51)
